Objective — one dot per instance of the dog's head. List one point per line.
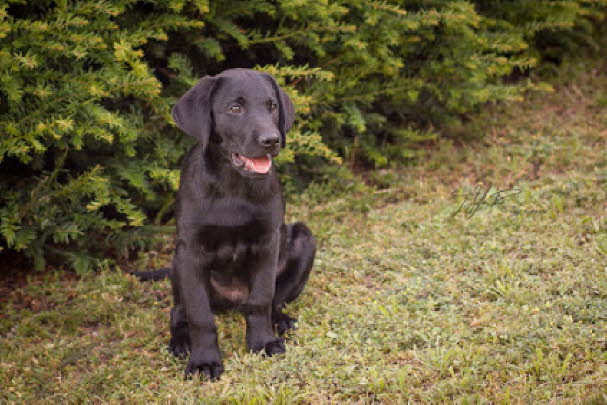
(248, 112)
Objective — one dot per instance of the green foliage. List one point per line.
(551, 28)
(89, 154)
(85, 146)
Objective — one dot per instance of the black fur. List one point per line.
(233, 249)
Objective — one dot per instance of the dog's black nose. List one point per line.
(269, 141)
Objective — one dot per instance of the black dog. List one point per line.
(233, 249)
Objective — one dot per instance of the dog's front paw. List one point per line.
(210, 370)
(283, 322)
(275, 347)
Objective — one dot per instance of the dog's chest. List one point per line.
(234, 240)
(230, 227)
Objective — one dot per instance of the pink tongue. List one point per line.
(259, 164)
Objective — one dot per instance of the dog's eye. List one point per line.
(236, 109)
(273, 107)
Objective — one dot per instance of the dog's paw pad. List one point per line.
(211, 371)
(275, 347)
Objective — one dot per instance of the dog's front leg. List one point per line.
(260, 333)
(193, 274)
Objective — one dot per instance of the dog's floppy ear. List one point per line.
(192, 112)
(286, 111)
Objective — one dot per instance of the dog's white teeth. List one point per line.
(237, 159)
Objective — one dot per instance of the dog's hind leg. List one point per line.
(295, 264)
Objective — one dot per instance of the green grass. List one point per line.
(406, 303)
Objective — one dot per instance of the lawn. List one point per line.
(422, 290)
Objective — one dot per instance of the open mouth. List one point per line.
(259, 165)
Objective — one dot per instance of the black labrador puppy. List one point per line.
(233, 249)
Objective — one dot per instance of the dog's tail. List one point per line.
(152, 275)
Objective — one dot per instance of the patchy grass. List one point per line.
(505, 302)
